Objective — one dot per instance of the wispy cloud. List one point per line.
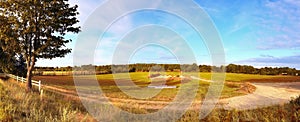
(267, 56)
(252, 27)
(279, 25)
(121, 26)
(267, 60)
(86, 7)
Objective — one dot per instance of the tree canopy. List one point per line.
(36, 28)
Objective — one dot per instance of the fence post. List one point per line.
(17, 78)
(41, 95)
(40, 85)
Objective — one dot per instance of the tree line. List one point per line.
(231, 68)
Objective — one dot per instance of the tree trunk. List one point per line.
(29, 73)
(28, 79)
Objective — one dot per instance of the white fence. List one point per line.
(2, 75)
(23, 80)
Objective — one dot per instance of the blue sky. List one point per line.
(254, 32)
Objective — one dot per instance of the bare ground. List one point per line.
(266, 94)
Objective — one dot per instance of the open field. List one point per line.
(141, 76)
(231, 87)
(140, 79)
(233, 77)
(283, 112)
(235, 85)
(16, 105)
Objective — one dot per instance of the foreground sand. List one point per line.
(266, 94)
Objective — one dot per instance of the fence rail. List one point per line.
(2, 75)
(23, 80)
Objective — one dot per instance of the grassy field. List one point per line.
(140, 79)
(234, 77)
(17, 105)
(143, 77)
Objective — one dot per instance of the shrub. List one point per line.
(296, 101)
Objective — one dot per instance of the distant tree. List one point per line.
(249, 70)
(205, 68)
(69, 68)
(263, 71)
(192, 68)
(217, 69)
(20, 65)
(133, 69)
(89, 67)
(36, 29)
(157, 68)
(231, 68)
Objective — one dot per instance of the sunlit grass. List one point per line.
(234, 77)
(18, 105)
(278, 113)
(247, 77)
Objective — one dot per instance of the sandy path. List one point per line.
(266, 94)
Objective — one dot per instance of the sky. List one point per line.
(255, 32)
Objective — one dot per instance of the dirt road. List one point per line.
(266, 94)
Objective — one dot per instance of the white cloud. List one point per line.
(279, 25)
(121, 26)
(267, 60)
(85, 7)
